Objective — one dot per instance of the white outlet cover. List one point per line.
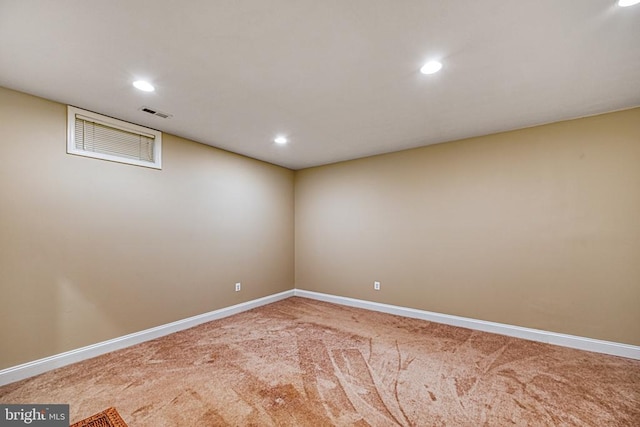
(376, 286)
(238, 286)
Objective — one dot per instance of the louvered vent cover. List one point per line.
(155, 112)
(93, 135)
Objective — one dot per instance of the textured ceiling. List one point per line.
(340, 78)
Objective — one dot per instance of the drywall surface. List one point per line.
(92, 250)
(538, 227)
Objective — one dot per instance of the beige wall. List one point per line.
(91, 250)
(538, 227)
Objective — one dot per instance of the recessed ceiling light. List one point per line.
(431, 67)
(280, 140)
(145, 86)
(625, 3)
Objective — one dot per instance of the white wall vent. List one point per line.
(155, 112)
(94, 135)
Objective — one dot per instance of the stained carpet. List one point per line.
(300, 362)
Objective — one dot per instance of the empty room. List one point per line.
(320, 213)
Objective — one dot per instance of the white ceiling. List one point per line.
(340, 78)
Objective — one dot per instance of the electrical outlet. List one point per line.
(376, 286)
(238, 286)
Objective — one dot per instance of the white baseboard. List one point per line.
(581, 343)
(26, 370)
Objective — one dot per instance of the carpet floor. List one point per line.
(300, 362)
